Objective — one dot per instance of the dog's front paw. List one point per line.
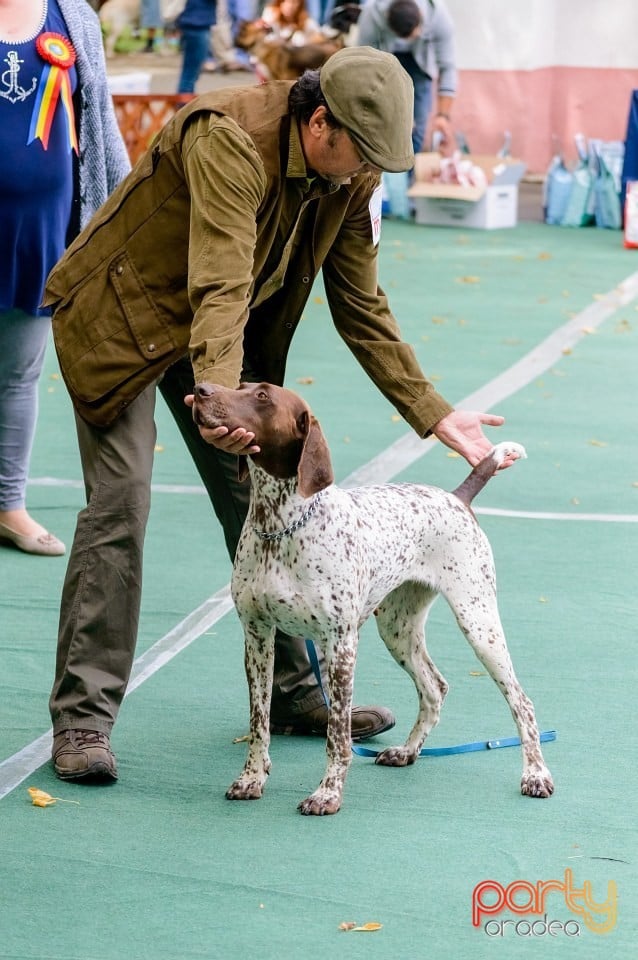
(320, 803)
(538, 783)
(245, 788)
(396, 757)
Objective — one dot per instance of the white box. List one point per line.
(485, 208)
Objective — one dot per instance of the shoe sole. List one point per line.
(292, 730)
(99, 772)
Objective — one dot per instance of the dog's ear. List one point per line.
(314, 472)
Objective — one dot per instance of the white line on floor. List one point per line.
(380, 469)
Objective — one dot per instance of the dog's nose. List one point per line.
(204, 390)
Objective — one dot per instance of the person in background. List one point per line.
(61, 154)
(194, 23)
(240, 11)
(290, 20)
(320, 10)
(151, 21)
(420, 33)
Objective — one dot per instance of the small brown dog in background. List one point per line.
(279, 59)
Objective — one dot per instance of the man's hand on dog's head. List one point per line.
(240, 441)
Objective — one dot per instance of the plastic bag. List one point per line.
(580, 208)
(460, 171)
(395, 193)
(557, 188)
(606, 197)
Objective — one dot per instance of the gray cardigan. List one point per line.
(433, 50)
(103, 159)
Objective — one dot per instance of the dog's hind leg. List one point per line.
(401, 623)
(476, 610)
(259, 661)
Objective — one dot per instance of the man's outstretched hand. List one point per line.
(462, 431)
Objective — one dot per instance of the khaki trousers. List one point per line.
(100, 606)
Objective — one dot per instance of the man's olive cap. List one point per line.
(372, 96)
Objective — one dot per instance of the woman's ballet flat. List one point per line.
(45, 545)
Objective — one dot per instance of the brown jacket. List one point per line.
(211, 245)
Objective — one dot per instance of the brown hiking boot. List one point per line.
(84, 754)
(365, 722)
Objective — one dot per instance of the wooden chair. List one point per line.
(142, 115)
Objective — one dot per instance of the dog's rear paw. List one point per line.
(396, 757)
(320, 803)
(537, 784)
(242, 789)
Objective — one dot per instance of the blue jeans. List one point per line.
(238, 11)
(320, 10)
(195, 48)
(422, 98)
(23, 341)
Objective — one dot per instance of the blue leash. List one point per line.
(461, 747)
(426, 751)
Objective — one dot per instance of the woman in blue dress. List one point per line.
(61, 154)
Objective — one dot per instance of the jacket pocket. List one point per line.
(112, 341)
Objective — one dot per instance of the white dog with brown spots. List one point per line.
(315, 561)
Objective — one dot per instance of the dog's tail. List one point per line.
(486, 469)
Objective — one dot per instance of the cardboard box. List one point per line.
(492, 207)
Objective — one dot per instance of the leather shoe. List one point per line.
(365, 722)
(84, 754)
(45, 545)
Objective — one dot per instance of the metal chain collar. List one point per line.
(295, 525)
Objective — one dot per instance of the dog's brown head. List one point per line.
(291, 440)
(250, 33)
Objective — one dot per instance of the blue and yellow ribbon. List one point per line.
(54, 88)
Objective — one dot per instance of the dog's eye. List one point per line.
(262, 395)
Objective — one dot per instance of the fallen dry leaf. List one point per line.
(305, 379)
(468, 279)
(453, 455)
(544, 256)
(159, 448)
(41, 799)
(597, 443)
(478, 673)
(575, 501)
(395, 418)
(367, 927)
(319, 300)
(589, 330)
(241, 739)
(542, 599)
